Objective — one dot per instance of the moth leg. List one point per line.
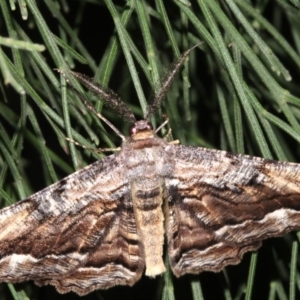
(93, 149)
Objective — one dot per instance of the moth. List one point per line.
(105, 224)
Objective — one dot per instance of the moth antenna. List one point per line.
(93, 110)
(108, 96)
(167, 81)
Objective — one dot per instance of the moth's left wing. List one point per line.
(116, 259)
(78, 234)
(222, 205)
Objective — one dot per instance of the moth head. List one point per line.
(141, 130)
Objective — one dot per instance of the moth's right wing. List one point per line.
(222, 205)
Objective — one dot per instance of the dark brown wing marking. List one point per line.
(222, 205)
(116, 260)
(69, 231)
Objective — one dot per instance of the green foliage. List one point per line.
(239, 91)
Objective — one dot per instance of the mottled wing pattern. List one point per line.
(222, 205)
(78, 234)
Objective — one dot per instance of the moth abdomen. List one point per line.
(147, 206)
(147, 200)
